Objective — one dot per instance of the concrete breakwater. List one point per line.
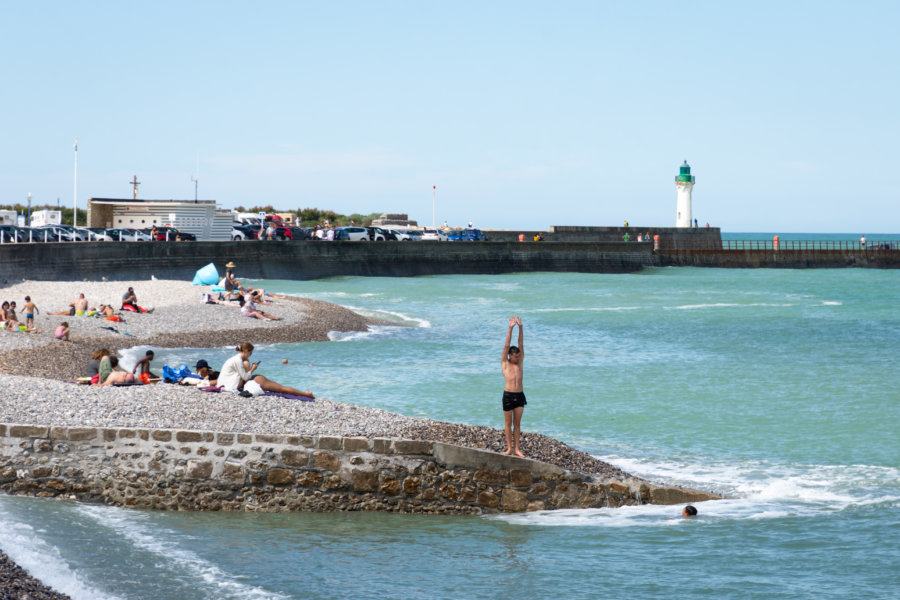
(205, 470)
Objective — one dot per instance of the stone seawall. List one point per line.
(122, 261)
(205, 470)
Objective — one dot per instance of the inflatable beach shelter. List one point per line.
(208, 275)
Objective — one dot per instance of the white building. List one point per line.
(684, 183)
(46, 217)
(201, 217)
(8, 217)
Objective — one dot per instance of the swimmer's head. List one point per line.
(689, 512)
(514, 354)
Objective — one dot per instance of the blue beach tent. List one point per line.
(208, 275)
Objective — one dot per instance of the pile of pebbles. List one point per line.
(15, 582)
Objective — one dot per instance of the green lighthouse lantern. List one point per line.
(684, 174)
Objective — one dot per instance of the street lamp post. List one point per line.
(75, 192)
(433, 204)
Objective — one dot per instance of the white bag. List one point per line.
(254, 388)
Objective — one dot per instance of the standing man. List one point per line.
(513, 396)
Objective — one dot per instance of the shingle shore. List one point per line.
(36, 389)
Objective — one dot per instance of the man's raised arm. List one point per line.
(512, 323)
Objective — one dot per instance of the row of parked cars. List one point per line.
(360, 234)
(68, 233)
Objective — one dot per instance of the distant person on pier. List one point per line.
(695, 223)
(513, 393)
(862, 241)
(626, 223)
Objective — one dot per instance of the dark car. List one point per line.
(467, 235)
(299, 233)
(244, 232)
(173, 234)
(10, 234)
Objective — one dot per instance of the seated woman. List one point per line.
(249, 310)
(12, 321)
(237, 370)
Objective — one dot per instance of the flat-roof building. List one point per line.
(200, 217)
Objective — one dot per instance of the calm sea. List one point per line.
(777, 388)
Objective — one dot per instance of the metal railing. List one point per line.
(781, 245)
(47, 236)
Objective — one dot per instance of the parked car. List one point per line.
(299, 233)
(173, 234)
(467, 235)
(11, 234)
(80, 234)
(351, 234)
(400, 236)
(243, 232)
(433, 235)
(97, 234)
(53, 233)
(377, 234)
(127, 234)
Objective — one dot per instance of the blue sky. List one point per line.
(523, 114)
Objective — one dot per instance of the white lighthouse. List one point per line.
(684, 183)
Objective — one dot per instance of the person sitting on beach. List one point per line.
(229, 280)
(210, 377)
(129, 302)
(30, 310)
(111, 373)
(237, 371)
(145, 375)
(12, 321)
(93, 366)
(3, 309)
(248, 309)
(62, 331)
(76, 308)
(106, 311)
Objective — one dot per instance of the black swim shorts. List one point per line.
(513, 400)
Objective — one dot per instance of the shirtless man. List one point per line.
(77, 308)
(513, 396)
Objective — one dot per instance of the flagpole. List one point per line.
(75, 192)
(433, 204)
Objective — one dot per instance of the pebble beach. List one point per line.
(38, 372)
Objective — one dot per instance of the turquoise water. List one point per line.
(776, 388)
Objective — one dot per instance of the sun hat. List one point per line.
(200, 364)
(229, 265)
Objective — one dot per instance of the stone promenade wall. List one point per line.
(127, 261)
(204, 470)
